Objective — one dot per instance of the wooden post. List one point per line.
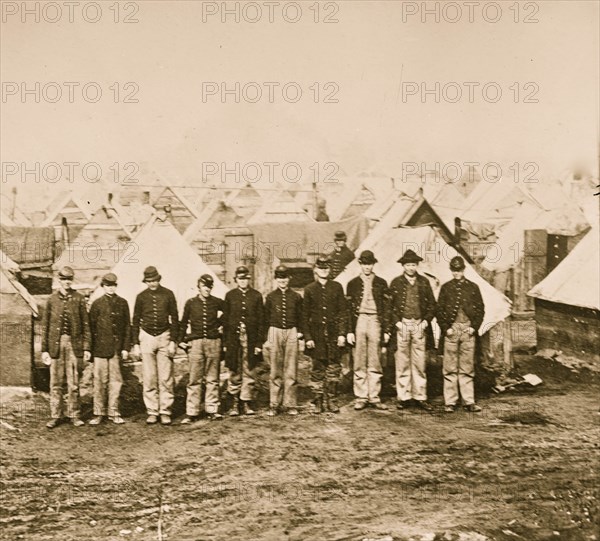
(507, 343)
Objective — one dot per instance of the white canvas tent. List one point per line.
(159, 244)
(574, 281)
(388, 246)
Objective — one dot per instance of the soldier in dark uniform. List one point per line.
(154, 332)
(325, 325)
(341, 255)
(370, 328)
(203, 313)
(242, 335)
(460, 312)
(412, 309)
(283, 324)
(66, 340)
(111, 340)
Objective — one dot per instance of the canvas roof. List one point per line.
(495, 201)
(568, 220)
(302, 241)
(159, 244)
(30, 247)
(389, 245)
(280, 207)
(10, 285)
(97, 247)
(71, 206)
(574, 281)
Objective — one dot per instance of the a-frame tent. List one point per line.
(160, 245)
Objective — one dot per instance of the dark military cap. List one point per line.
(457, 263)
(282, 272)
(410, 257)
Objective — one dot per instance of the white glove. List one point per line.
(136, 351)
(351, 338)
(124, 354)
(341, 341)
(46, 359)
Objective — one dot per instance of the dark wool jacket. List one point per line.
(274, 316)
(354, 292)
(76, 309)
(324, 303)
(398, 290)
(453, 295)
(236, 307)
(109, 323)
(339, 260)
(202, 315)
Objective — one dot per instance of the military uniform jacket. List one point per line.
(398, 290)
(237, 308)
(109, 323)
(324, 318)
(355, 291)
(283, 315)
(455, 294)
(339, 260)
(75, 307)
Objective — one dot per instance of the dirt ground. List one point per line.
(526, 468)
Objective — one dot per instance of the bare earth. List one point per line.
(524, 469)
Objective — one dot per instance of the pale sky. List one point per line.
(171, 52)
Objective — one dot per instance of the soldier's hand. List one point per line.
(471, 331)
(171, 349)
(450, 332)
(124, 354)
(136, 351)
(300, 336)
(399, 325)
(386, 337)
(87, 356)
(424, 324)
(257, 350)
(351, 338)
(183, 345)
(341, 341)
(46, 359)
(310, 344)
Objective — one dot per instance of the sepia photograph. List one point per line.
(301, 270)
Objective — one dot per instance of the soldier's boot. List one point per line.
(331, 401)
(317, 404)
(235, 407)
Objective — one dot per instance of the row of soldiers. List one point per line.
(242, 328)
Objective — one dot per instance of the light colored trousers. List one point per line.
(205, 360)
(411, 378)
(367, 362)
(157, 373)
(459, 366)
(63, 370)
(282, 349)
(107, 385)
(241, 382)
